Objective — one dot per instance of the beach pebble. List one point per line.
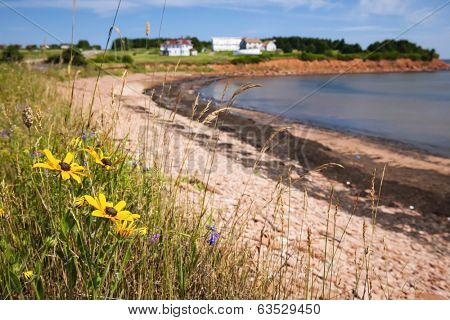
(348, 183)
(358, 157)
(411, 207)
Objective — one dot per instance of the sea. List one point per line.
(411, 108)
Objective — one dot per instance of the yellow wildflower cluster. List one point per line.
(67, 168)
(123, 219)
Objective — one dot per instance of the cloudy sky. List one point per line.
(362, 21)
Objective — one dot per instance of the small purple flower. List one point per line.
(213, 236)
(358, 157)
(92, 133)
(155, 238)
(37, 154)
(5, 133)
(83, 136)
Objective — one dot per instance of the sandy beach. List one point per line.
(410, 246)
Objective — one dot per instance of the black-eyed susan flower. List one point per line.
(99, 157)
(2, 213)
(80, 201)
(28, 274)
(67, 168)
(126, 229)
(107, 210)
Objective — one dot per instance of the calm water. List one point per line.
(413, 108)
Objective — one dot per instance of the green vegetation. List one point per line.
(146, 43)
(52, 247)
(315, 45)
(11, 54)
(71, 55)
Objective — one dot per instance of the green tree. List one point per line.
(83, 44)
(11, 54)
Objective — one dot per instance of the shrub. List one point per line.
(77, 57)
(345, 57)
(11, 54)
(247, 60)
(127, 59)
(306, 56)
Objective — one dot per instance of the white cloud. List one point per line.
(367, 28)
(109, 5)
(383, 7)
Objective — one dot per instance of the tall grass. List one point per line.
(75, 255)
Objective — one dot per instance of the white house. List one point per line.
(269, 46)
(226, 43)
(177, 47)
(251, 43)
(249, 46)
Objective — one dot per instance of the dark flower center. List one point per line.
(64, 166)
(106, 162)
(110, 211)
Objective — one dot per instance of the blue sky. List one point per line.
(362, 21)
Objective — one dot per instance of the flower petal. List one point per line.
(92, 202)
(102, 200)
(120, 206)
(75, 177)
(127, 215)
(50, 157)
(65, 175)
(99, 213)
(69, 158)
(92, 152)
(43, 165)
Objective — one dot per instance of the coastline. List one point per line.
(416, 178)
(399, 145)
(292, 66)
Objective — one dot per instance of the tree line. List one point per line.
(388, 48)
(145, 43)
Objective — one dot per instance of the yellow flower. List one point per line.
(80, 201)
(2, 213)
(126, 229)
(66, 167)
(110, 211)
(27, 274)
(99, 157)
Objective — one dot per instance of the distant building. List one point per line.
(269, 46)
(226, 43)
(65, 46)
(249, 46)
(177, 47)
(251, 43)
